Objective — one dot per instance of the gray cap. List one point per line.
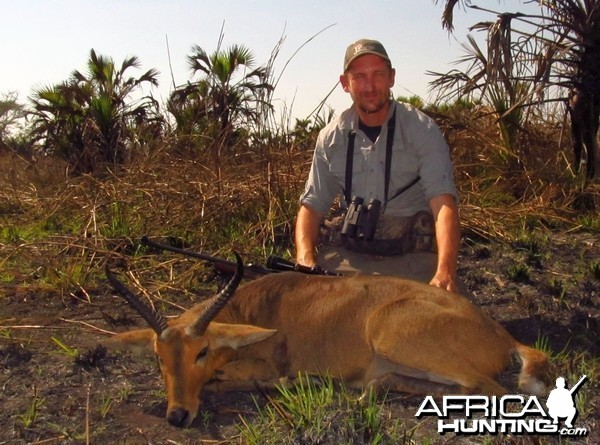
(362, 47)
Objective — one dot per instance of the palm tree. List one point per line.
(504, 90)
(59, 123)
(91, 117)
(563, 48)
(230, 101)
(227, 98)
(187, 104)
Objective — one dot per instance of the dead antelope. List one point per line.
(370, 331)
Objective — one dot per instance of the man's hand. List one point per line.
(444, 281)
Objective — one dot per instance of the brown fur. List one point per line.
(369, 331)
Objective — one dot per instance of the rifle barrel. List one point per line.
(222, 265)
(148, 242)
(575, 388)
(275, 264)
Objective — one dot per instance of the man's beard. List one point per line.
(377, 109)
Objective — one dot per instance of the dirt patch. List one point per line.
(58, 386)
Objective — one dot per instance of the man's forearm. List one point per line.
(448, 240)
(307, 230)
(447, 232)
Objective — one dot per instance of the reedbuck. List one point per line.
(369, 331)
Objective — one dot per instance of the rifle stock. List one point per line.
(278, 263)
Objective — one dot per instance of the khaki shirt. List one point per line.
(419, 149)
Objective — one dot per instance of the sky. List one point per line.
(43, 41)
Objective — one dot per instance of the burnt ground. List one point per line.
(58, 387)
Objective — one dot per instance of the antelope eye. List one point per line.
(202, 354)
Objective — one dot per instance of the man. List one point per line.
(380, 149)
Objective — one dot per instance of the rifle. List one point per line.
(275, 263)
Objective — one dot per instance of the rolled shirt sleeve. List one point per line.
(322, 185)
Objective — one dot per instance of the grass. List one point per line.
(543, 343)
(518, 272)
(531, 245)
(105, 405)
(318, 411)
(594, 268)
(572, 366)
(65, 349)
(32, 411)
(57, 235)
(589, 221)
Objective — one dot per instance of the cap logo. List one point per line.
(358, 48)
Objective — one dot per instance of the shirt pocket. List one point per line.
(405, 169)
(337, 163)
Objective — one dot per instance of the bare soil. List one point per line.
(54, 394)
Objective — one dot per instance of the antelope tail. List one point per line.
(535, 369)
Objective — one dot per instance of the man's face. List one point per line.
(368, 80)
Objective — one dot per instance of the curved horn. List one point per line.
(156, 321)
(211, 311)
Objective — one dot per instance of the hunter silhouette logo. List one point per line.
(561, 401)
(509, 414)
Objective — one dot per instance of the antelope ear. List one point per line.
(139, 340)
(234, 336)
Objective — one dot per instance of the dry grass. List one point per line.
(501, 193)
(252, 208)
(56, 233)
(65, 228)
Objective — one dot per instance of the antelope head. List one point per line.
(189, 352)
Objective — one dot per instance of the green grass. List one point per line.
(32, 410)
(65, 349)
(531, 246)
(542, 343)
(321, 411)
(589, 221)
(60, 237)
(594, 268)
(518, 272)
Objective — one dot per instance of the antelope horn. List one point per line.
(211, 311)
(156, 321)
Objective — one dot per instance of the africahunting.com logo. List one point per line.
(509, 414)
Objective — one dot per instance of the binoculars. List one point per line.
(361, 220)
